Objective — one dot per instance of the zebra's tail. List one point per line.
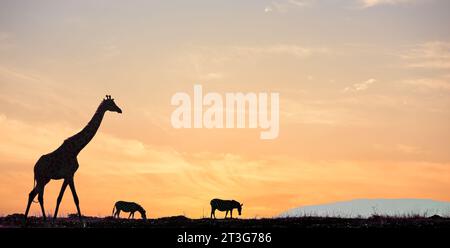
(113, 210)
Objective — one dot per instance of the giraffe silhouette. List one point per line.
(62, 163)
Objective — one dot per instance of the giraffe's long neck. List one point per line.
(77, 142)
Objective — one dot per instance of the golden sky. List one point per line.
(364, 101)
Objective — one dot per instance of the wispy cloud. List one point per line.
(372, 3)
(427, 84)
(210, 76)
(284, 6)
(15, 74)
(25, 142)
(6, 41)
(111, 51)
(268, 9)
(280, 49)
(207, 63)
(409, 149)
(433, 55)
(360, 86)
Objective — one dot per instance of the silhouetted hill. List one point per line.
(368, 207)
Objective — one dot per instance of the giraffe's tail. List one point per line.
(34, 186)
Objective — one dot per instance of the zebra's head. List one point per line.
(142, 212)
(144, 216)
(240, 208)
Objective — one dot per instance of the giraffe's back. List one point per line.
(55, 165)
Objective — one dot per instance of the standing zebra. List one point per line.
(225, 205)
(129, 207)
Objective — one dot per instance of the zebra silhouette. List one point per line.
(129, 207)
(225, 205)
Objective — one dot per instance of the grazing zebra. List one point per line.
(225, 205)
(128, 207)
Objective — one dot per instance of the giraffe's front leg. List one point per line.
(60, 196)
(75, 197)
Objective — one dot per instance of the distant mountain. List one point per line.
(368, 207)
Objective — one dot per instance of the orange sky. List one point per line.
(364, 101)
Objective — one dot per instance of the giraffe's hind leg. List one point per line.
(40, 191)
(31, 197)
(40, 184)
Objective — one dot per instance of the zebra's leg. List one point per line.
(113, 211)
(129, 216)
(212, 213)
(231, 213)
(226, 214)
(118, 213)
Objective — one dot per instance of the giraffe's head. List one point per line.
(108, 104)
